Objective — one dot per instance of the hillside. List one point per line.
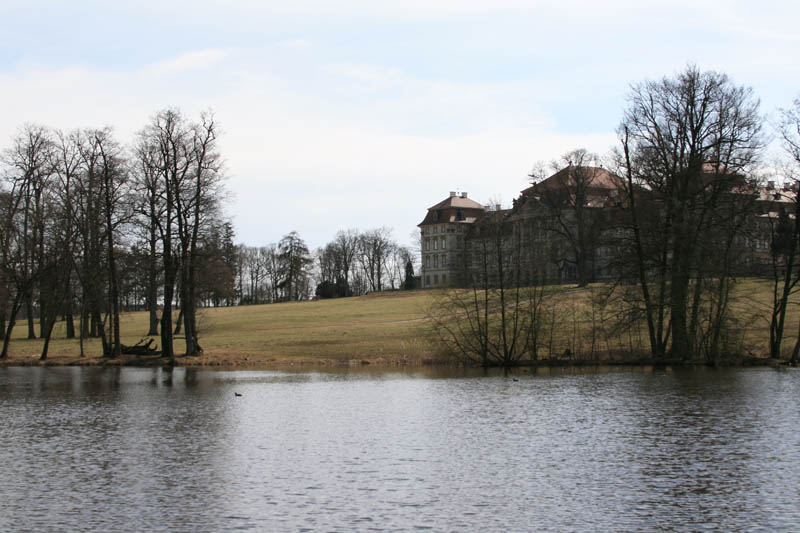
(391, 328)
(376, 328)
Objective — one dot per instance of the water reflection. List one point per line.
(559, 449)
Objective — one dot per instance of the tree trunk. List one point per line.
(104, 340)
(679, 292)
(68, 315)
(178, 322)
(29, 315)
(12, 320)
(152, 277)
(47, 332)
(795, 359)
(167, 349)
(112, 274)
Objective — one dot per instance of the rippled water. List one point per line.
(142, 449)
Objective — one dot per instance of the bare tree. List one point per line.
(114, 178)
(58, 259)
(790, 236)
(374, 250)
(197, 205)
(67, 167)
(345, 249)
(30, 169)
(101, 200)
(168, 141)
(333, 276)
(16, 276)
(181, 173)
(488, 324)
(259, 274)
(150, 210)
(686, 141)
(573, 208)
(271, 259)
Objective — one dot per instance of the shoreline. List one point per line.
(248, 362)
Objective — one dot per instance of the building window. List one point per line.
(427, 244)
(435, 261)
(435, 244)
(436, 279)
(428, 281)
(444, 279)
(444, 243)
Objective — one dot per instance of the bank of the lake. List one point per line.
(384, 329)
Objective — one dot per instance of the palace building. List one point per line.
(573, 227)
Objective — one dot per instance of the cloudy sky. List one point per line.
(363, 113)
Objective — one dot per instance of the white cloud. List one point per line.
(316, 172)
(325, 173)
(322, 132)
(372, 74)
(296, 44)
(199, 59)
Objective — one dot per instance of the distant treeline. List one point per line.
(352, 264)
(92, 228)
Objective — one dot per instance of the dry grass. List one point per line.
(595, 324)
(381, 328)
(389, 328)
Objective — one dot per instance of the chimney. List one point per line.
(463, 195)
(452, 194)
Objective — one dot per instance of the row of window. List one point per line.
(435, 260)
(443, 228)
(430, 230)
(435, 242)
(435, 280)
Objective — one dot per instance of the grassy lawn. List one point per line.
(379, 328)
(579, 323)
(387, 328)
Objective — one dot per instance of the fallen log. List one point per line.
(140, 349)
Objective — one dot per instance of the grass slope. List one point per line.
(380, 328)
(388, 328)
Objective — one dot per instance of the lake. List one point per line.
(377, 450)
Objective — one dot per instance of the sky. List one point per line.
(364, 113)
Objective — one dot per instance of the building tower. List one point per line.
(442, 235)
